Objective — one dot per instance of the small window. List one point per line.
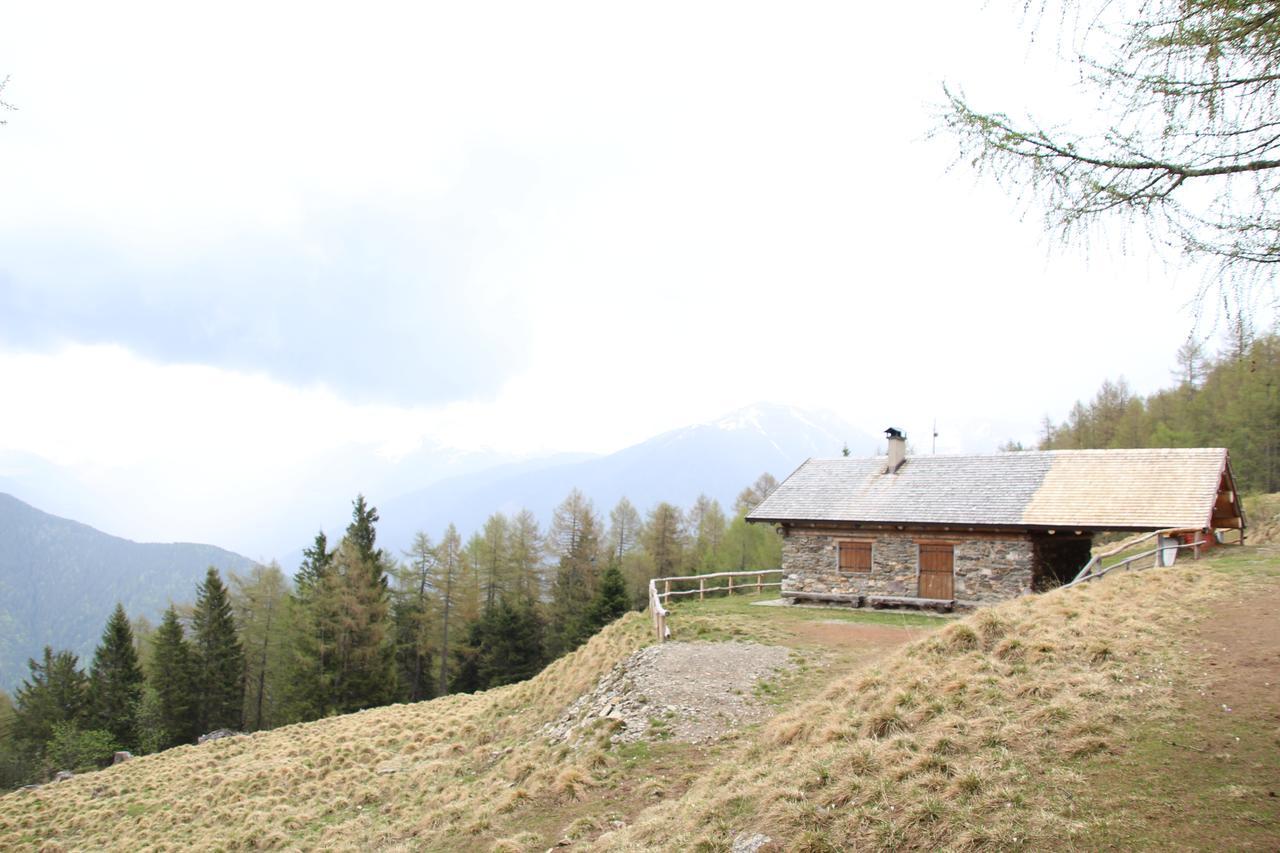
(855, 556)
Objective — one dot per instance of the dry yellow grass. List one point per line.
(963, 739)
(431, 775)
(959, 741)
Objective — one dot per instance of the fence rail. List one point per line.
(1089, 573)
(657, 599)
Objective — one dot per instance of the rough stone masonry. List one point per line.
(987, 570)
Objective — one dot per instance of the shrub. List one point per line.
(76, 750)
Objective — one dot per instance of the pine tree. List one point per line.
(56, 691)
(218, 659)
(611, 600)
(171, 674)
(310, 668)
(362, 532)
(115, 680)
(503, 646)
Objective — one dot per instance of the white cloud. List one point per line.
(635, 217)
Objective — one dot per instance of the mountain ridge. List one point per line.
(60, 579)
(717, 457)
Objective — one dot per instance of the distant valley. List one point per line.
(60, 579)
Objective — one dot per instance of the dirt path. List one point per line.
(1212, 781)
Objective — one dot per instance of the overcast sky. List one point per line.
(244, 244)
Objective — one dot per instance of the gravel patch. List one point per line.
(687, 692)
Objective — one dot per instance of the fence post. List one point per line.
(730, 584)
(702, 588)
(666, 590)
(759, 584)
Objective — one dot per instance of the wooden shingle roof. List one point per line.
(1149, 489)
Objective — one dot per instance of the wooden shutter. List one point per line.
(937, 576)
(855, 556)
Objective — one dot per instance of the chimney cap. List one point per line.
(893, 432)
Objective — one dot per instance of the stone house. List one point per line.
(965, 530)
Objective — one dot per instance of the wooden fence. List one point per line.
(660, 591)
(1164, 539)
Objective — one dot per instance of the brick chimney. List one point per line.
(897, 450)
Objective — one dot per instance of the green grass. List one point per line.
(742, 605)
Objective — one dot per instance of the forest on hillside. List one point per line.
(1229, 400)
(358, 627)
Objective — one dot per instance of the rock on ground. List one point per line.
(217, 734)
(688, 692)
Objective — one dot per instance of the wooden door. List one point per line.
(937, 577)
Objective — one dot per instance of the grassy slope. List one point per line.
(1006, 729)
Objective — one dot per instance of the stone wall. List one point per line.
(990, 570)
(986, 570)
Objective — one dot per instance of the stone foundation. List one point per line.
(986, 569)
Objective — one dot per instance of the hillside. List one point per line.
(1078, 718)
(59, 580)
(718, 458)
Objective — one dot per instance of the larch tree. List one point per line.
(752, 496)
(624, 530)
(412, 607)
(664, 539)
(626, 552)
(115, 680)
(218, 658)
(707, 526)
(448, 568)
(359, 604)
(526, 556)
(260, 603)
(469, 599)
(171, 673)
(574, 539)
(1189, 146)
(495, 573)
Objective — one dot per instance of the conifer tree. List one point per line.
(115, 680)
(364, 664)
(56, 691)
(310, 669)
(503, 646)
(664, 539)
(526, 550)
(611, 600)
(218, 659)
(259, 603)
(495, 578)
(575, 539)
(412, 618)
(448, 567)
(171, 674)
(707, 525)
(362, 531)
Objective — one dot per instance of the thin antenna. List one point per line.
(935, 436)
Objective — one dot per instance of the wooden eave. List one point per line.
(1228, 509)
